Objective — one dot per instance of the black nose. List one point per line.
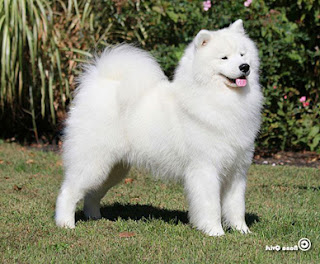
(244, 67)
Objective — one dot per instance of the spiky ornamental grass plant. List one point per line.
(32, 81)
(25, 32)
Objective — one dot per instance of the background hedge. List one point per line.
(43, 42)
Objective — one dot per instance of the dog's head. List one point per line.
(226, 55)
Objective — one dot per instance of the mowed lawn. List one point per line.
(145, 220)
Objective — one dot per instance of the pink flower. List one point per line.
(206, 5)
(305, 104)
(285, 97)
(303, 99)
(274, 87)
(247, 3)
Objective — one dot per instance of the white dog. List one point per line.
(199, 128)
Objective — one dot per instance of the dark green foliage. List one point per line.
(286, 32)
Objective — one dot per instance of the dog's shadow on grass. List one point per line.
(251, 219)
(140, 212)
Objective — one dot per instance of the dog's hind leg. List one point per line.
(80, 178)
(93, 197)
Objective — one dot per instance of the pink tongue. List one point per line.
(241, 82)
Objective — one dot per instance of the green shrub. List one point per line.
(286, 33)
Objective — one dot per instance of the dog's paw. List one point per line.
(216, 231)
(65, 224)
(93, 216)
(92, 213)
(243, 228)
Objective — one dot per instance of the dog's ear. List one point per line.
(202, 38)
(237, 26)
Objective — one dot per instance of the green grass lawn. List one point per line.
(283, 205)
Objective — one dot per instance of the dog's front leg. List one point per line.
(233, 201)
(202, 186)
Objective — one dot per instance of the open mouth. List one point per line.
(239, 82)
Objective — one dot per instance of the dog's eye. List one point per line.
(224, 58)
(241, 54)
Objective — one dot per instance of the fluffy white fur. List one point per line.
(199, 128)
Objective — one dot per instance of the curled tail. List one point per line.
(126, 64)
